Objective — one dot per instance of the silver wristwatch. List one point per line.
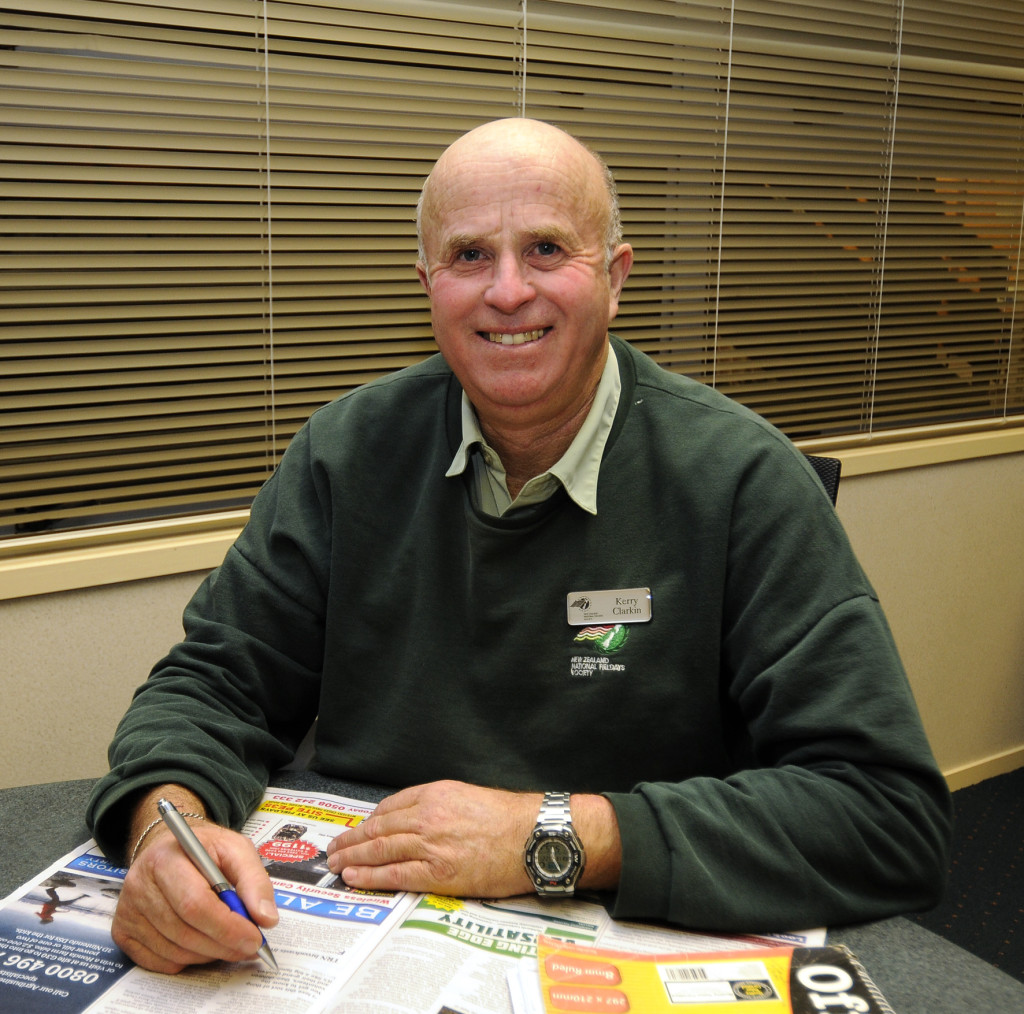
(553, 855)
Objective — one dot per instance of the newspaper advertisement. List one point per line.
(56, 953)
(639, 939)
(55, 948)
(777, 980)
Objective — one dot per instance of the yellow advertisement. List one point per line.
(771, 980)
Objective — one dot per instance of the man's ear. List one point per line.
(618, 271)
(421, 271)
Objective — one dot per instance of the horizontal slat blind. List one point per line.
(209, 234)
(825, 202)
(804, 213)
(208, 214)
(951, 341)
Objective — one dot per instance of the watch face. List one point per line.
(553, 858)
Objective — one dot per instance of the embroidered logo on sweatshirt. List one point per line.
(607, 639)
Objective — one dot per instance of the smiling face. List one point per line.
(522, 286)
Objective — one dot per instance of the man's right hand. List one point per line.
(169, 917)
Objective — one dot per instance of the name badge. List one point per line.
(617, 605)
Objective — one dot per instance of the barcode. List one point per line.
(677, 974)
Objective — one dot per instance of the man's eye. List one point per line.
(547, 249)
(469, 256)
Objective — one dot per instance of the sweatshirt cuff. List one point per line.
(646, 876)
(109, 811)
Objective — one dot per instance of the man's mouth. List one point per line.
(520, 338)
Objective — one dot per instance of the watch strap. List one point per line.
(554, 810)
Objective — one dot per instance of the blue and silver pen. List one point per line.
(208, 868)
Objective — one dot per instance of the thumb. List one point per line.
(243, 869)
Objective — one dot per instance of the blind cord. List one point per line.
(272, 364)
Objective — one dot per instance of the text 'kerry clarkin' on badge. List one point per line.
(616, 605)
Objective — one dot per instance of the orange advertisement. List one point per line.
(770, 980)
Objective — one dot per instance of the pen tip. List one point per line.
(268, 959)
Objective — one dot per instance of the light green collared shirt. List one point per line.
(577, 470)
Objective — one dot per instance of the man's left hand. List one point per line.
(457, 839)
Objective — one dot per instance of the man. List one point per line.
(535, 566)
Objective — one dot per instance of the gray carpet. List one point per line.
(983, 908)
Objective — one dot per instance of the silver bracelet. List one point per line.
(159, 820)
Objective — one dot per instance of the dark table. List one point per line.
(919, 972)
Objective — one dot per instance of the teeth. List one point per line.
(514, 339)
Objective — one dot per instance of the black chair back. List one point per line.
(828, 470)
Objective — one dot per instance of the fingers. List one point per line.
(396, 861)
(401, 875)
(387, 851)
(169, 917)
(444, 837)
(358, 841)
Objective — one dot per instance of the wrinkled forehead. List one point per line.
(484, 180)
(504, 158)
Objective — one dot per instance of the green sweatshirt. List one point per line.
(757, 736)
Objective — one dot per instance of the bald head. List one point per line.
(522, 143)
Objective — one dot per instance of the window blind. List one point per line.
(208, 215)
(210, 232)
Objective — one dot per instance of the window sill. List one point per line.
(42, 564)
(913, 449)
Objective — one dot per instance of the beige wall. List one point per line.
(69, 664)
(944, 545)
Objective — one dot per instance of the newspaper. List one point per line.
(56, 953)
(457, 956)
(779, 980)
(340, 951)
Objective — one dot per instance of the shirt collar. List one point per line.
(577, 470)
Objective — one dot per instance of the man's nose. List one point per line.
(509, 287)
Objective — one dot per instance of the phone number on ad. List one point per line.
(16, 961)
